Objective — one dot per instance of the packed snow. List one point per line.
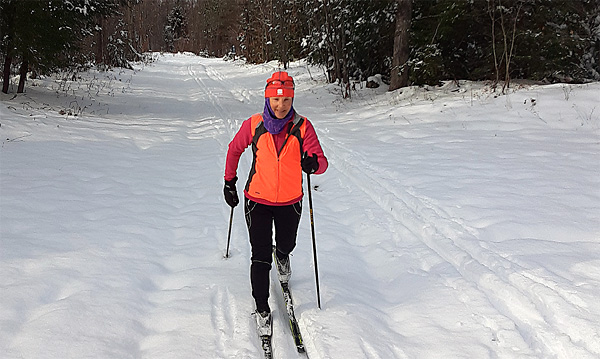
(453, 222)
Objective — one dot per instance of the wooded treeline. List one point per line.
(407, 42)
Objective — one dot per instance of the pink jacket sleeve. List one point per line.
(312, 145)
(237, 146)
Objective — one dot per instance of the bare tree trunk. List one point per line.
(506, 58)
(399, 72)
(23, 75)
(512, 47)
(344, 61)
(6, 73)
(508, 52)
(100, 45)
(333, 69)
(343, 55)
(492, 13)
(8, 18)
(283, 35)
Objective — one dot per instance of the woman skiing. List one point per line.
(283, 145)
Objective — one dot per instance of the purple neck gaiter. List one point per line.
(272, 123)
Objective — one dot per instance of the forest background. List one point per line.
(401, 42)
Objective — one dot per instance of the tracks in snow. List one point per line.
(535, 307)
(216, 88)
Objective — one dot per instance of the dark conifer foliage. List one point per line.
(45, 36)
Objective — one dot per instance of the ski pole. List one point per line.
(229, 233)
(312, 227)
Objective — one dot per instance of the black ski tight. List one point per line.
(260, 219)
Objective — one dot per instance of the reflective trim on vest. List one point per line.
(276, 178)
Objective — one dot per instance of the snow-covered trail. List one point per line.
(518, 312)
(523, 308)
(450, 224)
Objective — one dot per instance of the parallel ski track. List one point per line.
(223, 114)
(526, 300)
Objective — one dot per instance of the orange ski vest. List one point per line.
(276, 177)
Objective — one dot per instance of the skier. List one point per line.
(283, 145)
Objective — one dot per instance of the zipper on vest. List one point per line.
(287, 136)
(278, 176)
(279, 150)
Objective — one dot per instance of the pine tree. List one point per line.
(176, 27)
(8, 11)
(45, 36)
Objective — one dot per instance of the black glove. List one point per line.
(230, 192)
(310, 164)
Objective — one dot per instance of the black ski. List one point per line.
(265, 342)
(289, 305)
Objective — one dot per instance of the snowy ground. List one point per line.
(451, 223)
